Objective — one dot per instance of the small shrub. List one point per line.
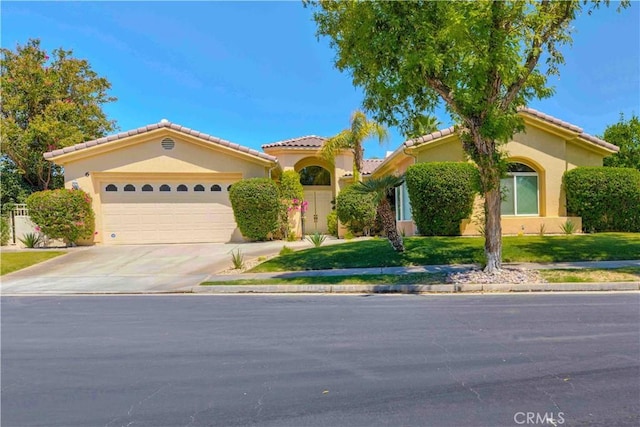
(317, 239)
(332, 223)
(62, 214)
(286, 250)
(5, 232)
(261, 258)
(256, 207)
(356, 210)
(568, 227)
(291, 236)
(348, 235)
(237, 258)
(542, 230)
(441, 195)
(31, 240)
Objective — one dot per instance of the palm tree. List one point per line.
(422, 125)
(381, 188)
(352, 139)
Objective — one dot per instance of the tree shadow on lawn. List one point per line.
(584, 247)
(379, 253)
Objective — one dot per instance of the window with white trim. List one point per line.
(403, 207)
(520, 193)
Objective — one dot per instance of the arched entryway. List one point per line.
(317, 180)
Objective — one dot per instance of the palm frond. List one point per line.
(381, 187)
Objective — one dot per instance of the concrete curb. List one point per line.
(417, 289)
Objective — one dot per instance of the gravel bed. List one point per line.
(506, 275)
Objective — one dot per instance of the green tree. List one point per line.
(352, 139)
(626, 135)
(48, 102)
(381, 188)
(478, 58)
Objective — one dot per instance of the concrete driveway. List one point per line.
(136, 269)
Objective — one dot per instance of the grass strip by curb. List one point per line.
(356, 279)
(625, 274)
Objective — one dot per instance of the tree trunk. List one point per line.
(493, 230)
(487, 159)
(389, 225)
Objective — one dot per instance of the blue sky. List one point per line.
(254, 72)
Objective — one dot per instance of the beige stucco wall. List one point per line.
(147, 160)
(548, 153)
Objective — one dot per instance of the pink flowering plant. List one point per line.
(292, 201)
(62, 214)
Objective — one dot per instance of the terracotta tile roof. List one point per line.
(149, 128)
(572, 127)
(526, 110)
(426, 138)
(309, 141)
(538, 114)
(368, 166)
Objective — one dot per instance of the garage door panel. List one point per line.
(171, 217)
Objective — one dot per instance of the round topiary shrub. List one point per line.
(256, 207)
(441, 195)
(607, 199)
(355, 210)
(62, 214)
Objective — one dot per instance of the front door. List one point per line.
(318, 209)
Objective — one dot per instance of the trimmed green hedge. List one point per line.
(607, 199)
(441, 195)
(5, 232)
(62, 214)
(355, 210)
(256, 207)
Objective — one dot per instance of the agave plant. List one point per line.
(317, 239)
(237, 258)
(381, 188)
(31, 240)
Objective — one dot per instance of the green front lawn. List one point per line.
(12, 261)
(459, 250)
(356, 279)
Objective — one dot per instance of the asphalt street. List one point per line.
(325, 360)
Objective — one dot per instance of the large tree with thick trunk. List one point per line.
(481, 59)
(48, 103)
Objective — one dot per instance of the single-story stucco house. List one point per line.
(165, 183)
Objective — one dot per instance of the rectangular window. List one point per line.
(519, 194)
(403, 206)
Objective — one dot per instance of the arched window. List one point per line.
(315, 175)
(216, 187)
(165, 187)
(229, 187)
(182, 187)
(520, 190)
(198, 187)
(111, 187)
(129, 187)
(147, 187)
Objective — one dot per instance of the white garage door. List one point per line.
(140, 213)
